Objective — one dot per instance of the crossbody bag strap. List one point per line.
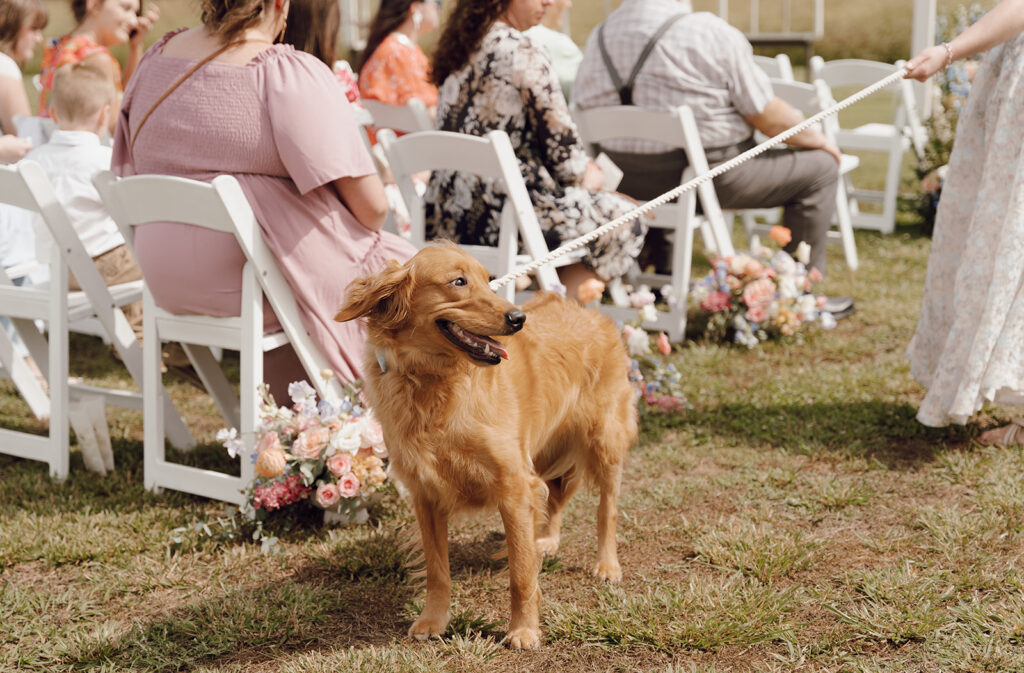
(625, 90)
(191, 71)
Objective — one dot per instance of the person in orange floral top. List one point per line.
(101, 24)
(394, 68)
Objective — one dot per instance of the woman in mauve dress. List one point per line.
(303, 167)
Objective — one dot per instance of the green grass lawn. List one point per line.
(797, 518)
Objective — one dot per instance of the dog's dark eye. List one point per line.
(459, 282)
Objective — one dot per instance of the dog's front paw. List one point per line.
(547, 546)
(524, 638)
(428, 626)
(609, 572)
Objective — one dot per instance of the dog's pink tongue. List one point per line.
(500, 350)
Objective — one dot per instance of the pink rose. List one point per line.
(757, 314)
(716, 301)
(372, 435)
(327, 495)
(339, 464)
(663, 344)
(348, 485)
(269, 441)
(641, 298)
(311, 442)
(759, 293)
(814, 275)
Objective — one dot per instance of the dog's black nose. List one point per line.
(515, 319)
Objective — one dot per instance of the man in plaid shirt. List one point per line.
(699, 60)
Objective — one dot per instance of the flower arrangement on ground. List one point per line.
(760, 295)
(331, 455)
(657, 381)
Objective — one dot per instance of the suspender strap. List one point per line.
(192, 70)
(626, 90)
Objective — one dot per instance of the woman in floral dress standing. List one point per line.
(969, 345)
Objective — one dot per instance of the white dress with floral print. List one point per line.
(510, 85)
(969, 345)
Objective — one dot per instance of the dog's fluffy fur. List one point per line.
(466, 432)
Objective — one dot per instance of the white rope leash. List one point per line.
(696, 182)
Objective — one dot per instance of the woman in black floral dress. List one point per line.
(492, 77)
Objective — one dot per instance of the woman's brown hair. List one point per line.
(465, 30)
(313, 28)
(228, 18)
(389, 17)
(13, 14)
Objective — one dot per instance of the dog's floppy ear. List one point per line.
(383, 297)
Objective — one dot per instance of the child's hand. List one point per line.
(13, 148)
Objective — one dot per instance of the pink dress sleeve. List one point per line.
(317, 143)
(122, 163)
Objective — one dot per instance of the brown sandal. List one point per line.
(1006, 435)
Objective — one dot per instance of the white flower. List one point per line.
(803, 252)
(787, 287)
(648, 314)
(230, 440)
(347, 438)
(300, 391)
(828, 321)
(783, 263)
(806, 305)
(738, 264)
(637, 341)
(642, 297)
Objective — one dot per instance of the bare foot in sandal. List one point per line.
(1006, 435)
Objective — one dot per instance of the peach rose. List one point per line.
(327, 495)
(589, 290)
(311, 442)
(759, 293)
(752, 268)
(781, 235)
(271, 463)
(339, 464)
(348, 486)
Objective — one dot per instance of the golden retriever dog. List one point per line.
(472, 423)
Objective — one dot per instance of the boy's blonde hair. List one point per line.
(81, 89)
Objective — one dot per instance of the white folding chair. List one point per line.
(408, 118)
(899, 130)
(489, 157)
(678, 129)
(36, 129)
(96, 309)
(219, 205)
(810, 99)
(778, 66)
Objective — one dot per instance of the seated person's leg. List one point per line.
(803, 181)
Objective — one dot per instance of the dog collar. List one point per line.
(382, 361)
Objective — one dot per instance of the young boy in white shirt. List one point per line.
(82, 103)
